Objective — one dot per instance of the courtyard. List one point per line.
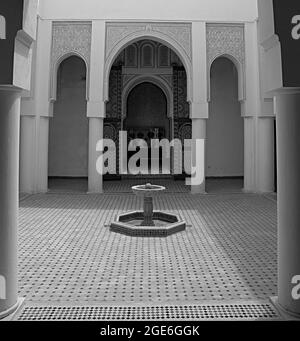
(69, 258)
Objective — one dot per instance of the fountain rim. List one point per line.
(144, 189)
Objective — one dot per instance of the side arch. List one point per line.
(54, 71)
(240, 71)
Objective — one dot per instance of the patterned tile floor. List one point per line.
(68, 254)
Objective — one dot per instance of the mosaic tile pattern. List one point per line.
(68, 254)
(243, 311)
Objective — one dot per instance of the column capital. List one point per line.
(96, 109)
(11, 88)
(199, 110)
(284, 91)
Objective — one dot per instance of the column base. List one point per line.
(249, 191)
(197, 190)
(95, 192)
(8, 314)
(286, 314)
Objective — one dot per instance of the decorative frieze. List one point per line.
(181, 106)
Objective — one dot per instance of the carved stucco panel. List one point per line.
(117, 32)
(70, 38)
(225, 39)
(181, 33)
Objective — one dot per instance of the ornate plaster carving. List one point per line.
(69, 38)
(109, 131)
(177, 36)
(181, 33)
(117, 32)
(185, 132)
(225, 40)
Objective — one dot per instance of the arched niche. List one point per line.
(55, 68)
(240, 71)
(147, 55)
(156, 80)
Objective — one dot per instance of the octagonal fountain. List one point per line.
(148, 223)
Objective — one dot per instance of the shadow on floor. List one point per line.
(80, 185)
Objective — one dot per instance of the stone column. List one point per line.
(95, 182)
(27, 153)
(9, 187)
(96, 103)
(199, 108)
(287, 108)
(42, 154)
(249, 154)
(265, 155)
(199, 132)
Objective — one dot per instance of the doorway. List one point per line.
(147, 116)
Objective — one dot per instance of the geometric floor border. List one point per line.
(238, 311)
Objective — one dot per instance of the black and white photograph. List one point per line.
(149, 168)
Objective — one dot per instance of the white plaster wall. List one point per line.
(208, 10)
(225, 126)
(266, 20)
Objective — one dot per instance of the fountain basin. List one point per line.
(148, 190)
(165, 224)
(148, 223)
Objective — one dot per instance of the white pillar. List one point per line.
(9, 198)
(199, 132)
(42, 154)
(27, 154)
(287, 108)
(95, 182)
(265, 155)
(249, 154)
(96, 106)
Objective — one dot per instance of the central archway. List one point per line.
(148, 98)
(147, 115)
